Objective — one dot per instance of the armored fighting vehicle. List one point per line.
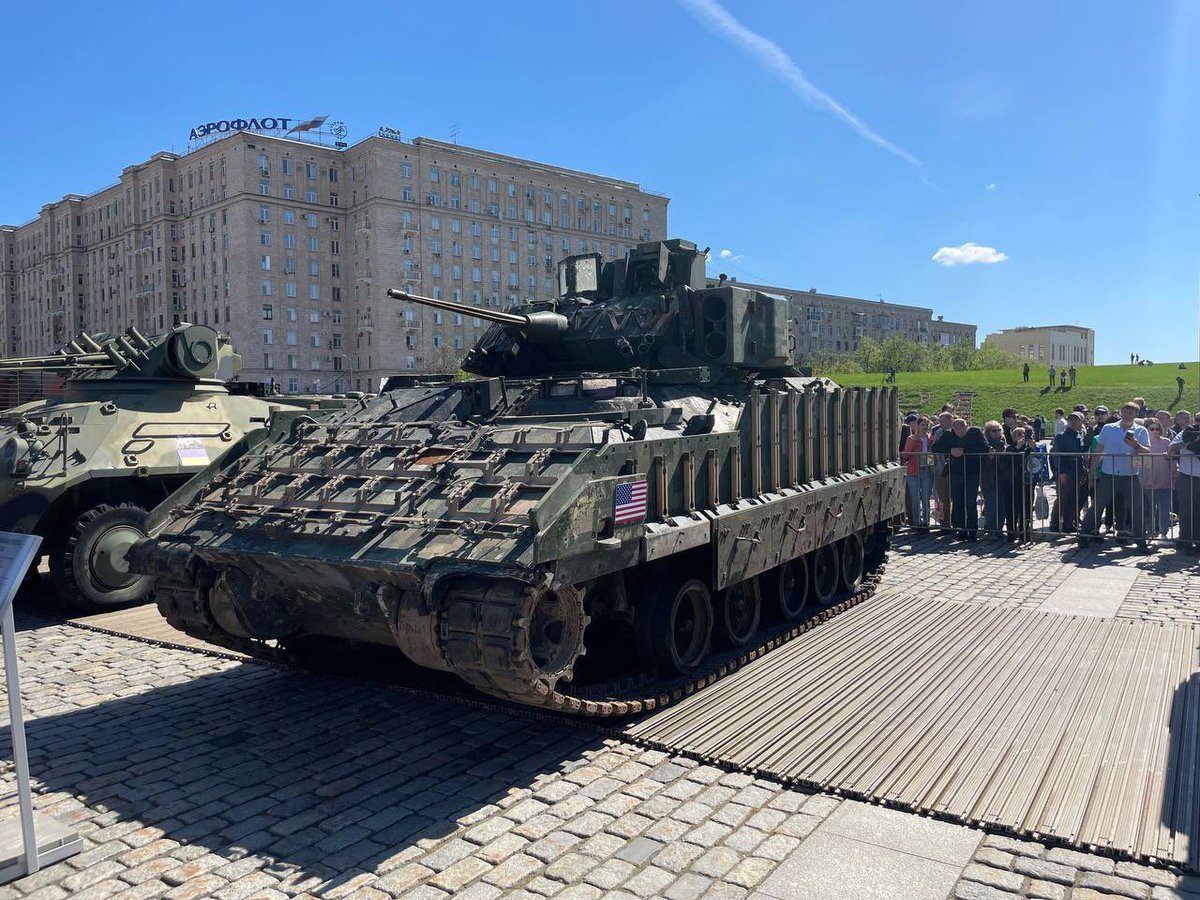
(138, 417)
(640, 474)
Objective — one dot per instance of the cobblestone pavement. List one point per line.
(1023, 577)
(191, 776)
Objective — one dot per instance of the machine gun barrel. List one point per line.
(449, 305)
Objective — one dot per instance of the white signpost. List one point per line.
(33, 840)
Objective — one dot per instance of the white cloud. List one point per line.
(771, 57)
(991, 187)
(729, 254)
(968, 253)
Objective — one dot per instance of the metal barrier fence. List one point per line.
(1021, 496)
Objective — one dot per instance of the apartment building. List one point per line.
(289, 247)
(1052, 344)
(828, 323)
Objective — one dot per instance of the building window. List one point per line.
(264, 214)
(310, 196)
(335, 247)
(333, 198)
(406, 170)
(264, 238)
(310, 170)
(266, 262)
(266, 287)
(268, 311)
(289, 192)
(289, 241)
(314, 292)
(406, 192)
(310, 218)
(268, 336)
(264, 188)
(314, 268)
(287, 166)
(289, 217)
(434, 176)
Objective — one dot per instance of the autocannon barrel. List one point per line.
(58, 361)
(491, 315)
(541, 326)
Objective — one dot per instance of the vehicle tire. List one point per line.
(787, 588)
(851, 562)
(826, 579)
(89, 568)
(739, 611)
(675, 624)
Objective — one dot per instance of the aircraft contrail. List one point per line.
(771, 57)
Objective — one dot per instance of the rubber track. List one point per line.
(486, 645)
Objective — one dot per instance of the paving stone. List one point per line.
(1111, 884)
(246, 886)
(513, 871)
(1046, 890)
(629, 825)
(502, 848)
(101, 871)
(750, 872)
(402, 879)
(1076, 859)
(448, 854)
(203, 886)
(487, 831)
(588, 824)
(553, 845)
(610, 873)
(716, 862)
(570, 868)
(1149, 874)
(649, 882)
(459, 875)
(425, 892)
(100, 890)
(677, 857)
(999, 859)
(542, 886)
(1045, 870)
(973, 890)
(821, 805)
(479, 891)
(580, 892)
(1014, 846)
(997, 878)
(689, 887)
(667, 830)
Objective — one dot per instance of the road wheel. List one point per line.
(739, 610)
(89, 568)
(675, 624)
(825, 578)
(787, 588)
(852, 560)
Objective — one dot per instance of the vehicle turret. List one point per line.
(650, 310)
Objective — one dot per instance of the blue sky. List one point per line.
(1062, 136)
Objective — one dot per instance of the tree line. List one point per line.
(906, 355)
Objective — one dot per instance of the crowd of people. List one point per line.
(1136, 474)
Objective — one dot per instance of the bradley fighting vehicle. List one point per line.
(138, 417)
(640, 473)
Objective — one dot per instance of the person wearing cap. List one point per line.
(1069, 469)
(1118, 483)
(1185, 447)
(918, 470)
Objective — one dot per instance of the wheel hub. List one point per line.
(107, 562)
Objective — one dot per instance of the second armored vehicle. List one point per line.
(642, 476)
(138, 417)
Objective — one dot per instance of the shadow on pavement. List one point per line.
(324, 776)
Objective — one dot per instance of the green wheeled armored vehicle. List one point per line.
(641, 475)
(138, 417)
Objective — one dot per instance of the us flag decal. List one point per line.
(629, 502)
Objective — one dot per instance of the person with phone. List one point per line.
(1117, 481)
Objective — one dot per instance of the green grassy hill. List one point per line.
(994, 390)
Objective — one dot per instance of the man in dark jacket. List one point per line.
(965, 448)
(1069, 467)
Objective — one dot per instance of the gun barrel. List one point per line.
(449, 305)
(57, 361)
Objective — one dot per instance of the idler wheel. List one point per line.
(788, 588)
(825, 577)
(852, 559)
(675, 624)
(739, 610)
(556, 628)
